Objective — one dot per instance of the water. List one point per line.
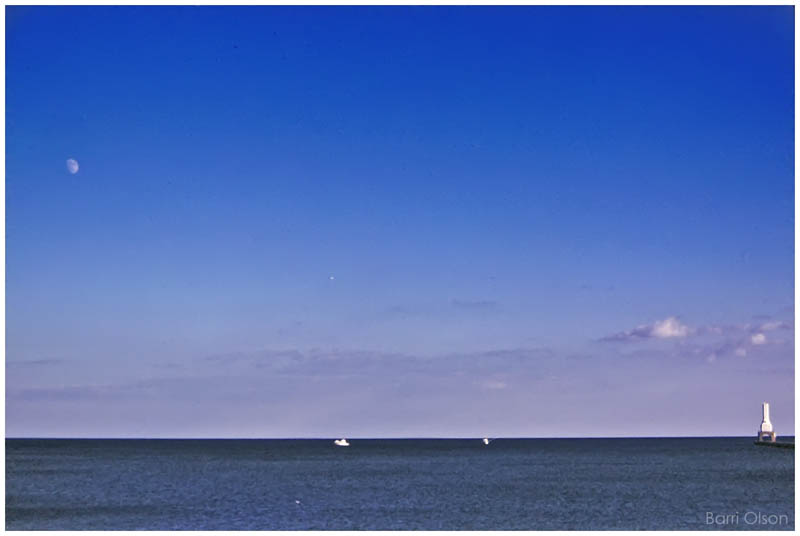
(397, 484)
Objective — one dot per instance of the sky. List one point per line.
(399, 221)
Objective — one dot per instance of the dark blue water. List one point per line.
(398, 484)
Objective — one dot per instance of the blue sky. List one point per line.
(399, 221)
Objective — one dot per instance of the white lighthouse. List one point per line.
(765, 431)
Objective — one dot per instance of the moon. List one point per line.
(72, 166)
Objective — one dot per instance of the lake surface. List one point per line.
(423, 484)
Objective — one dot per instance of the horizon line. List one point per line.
(357, 438)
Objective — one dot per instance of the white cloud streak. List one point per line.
(668, 328)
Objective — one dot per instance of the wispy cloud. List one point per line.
(747, 328)
(275, 376)
(473, 304)
(710, 342)
(673, 328)
(774, 325)
(34, 363)
(405, 310)
(493, 384)
(668, 328)
(363, 362)
(441, 308)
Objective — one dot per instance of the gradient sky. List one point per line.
(399, 221)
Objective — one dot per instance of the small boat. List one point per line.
(486, 440)
(342, 442)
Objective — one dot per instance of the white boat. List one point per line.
(486, 440)
(342, 442)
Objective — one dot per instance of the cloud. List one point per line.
(320, 364)
(774, 325)
(742, 330)
(741, 344)
(672, 328)
(494, 384)
(474, 304)
(34, 363)
(739, 340)
(442, 309)
(758, 339)
(668, 328)
(407, 310)
(61, 393)
(275, 376)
